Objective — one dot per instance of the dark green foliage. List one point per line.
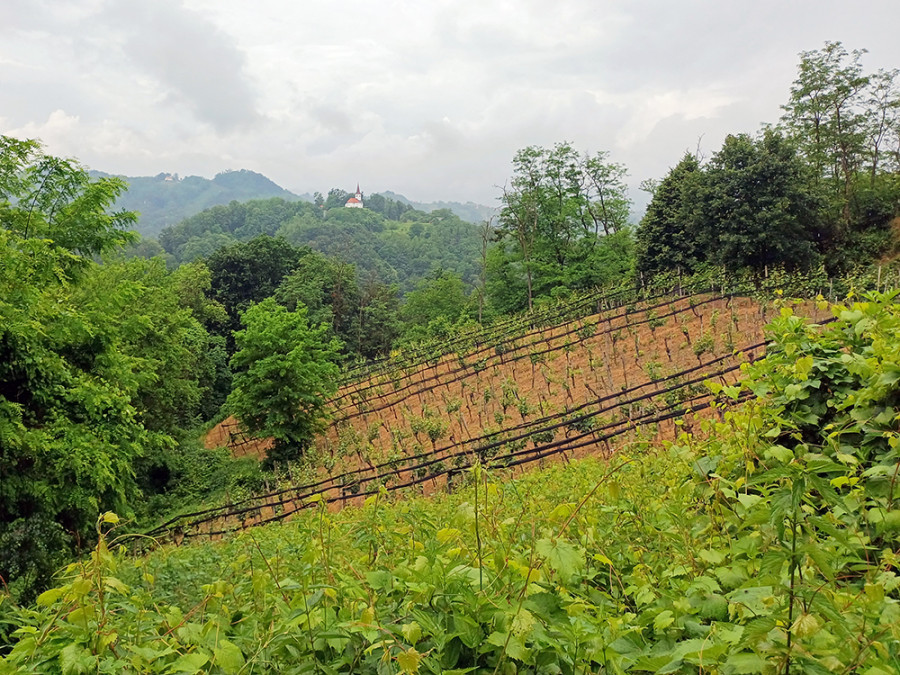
(387, 207)
(756, 208)
(336, 199)
(556, 215)
(284, 372)
(847, 125)
(666, 237)
(395, 251)
(183, 477)
(245, 273)
(32, 549)
(361, 313)
(202, 234)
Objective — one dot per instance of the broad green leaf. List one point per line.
(412, 632)
(561, 512)
(409, 660)
(781, 453)
(516, 649)
(228, 656)
(447, 534)
(189, 663)
(75, 659)
(565, 558)
(663, 620)
(47, 598)
(468, 630)
(112, 583)
(745, 663)
(806, 625)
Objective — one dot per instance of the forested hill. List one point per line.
(401, 251)
(167, 199)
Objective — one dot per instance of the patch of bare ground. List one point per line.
(581, 388)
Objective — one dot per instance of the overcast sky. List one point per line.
(430, 99)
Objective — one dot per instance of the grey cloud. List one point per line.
(198, 64)
(429, 99)
(332, 119)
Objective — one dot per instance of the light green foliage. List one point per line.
(50, 198)
(770, 547)
(170, 347)
(563, 224)
(284, 372)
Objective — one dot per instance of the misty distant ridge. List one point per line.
(167, 198)
(470, 211)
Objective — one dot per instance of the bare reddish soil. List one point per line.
(629, 373)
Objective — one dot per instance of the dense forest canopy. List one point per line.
(398, 251)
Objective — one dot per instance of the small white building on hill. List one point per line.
(356, 201)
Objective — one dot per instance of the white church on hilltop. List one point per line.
(356, 201)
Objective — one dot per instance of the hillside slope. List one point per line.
(166, 199)
(581, 387)
(468, 211)
(767, 546)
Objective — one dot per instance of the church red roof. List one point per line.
(353, 200)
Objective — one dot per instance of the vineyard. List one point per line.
(586, 379)
(764, 542)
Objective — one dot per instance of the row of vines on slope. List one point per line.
(769, 546)
(515, 410)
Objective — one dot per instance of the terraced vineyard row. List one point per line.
(581, 387)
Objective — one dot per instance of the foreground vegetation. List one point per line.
(770, 547)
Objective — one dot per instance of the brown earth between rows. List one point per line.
(440, 408)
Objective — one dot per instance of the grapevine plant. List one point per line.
(769, 547)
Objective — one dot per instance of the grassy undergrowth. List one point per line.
(770, 547)
(190, 477)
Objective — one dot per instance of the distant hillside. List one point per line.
(398, 252)
(167, 199)
(470, 211)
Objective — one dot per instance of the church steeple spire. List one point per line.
(356, 201)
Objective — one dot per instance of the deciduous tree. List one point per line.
(284, 372)
(666, 237)
(756, 206)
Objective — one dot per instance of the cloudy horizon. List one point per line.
(430, 100)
